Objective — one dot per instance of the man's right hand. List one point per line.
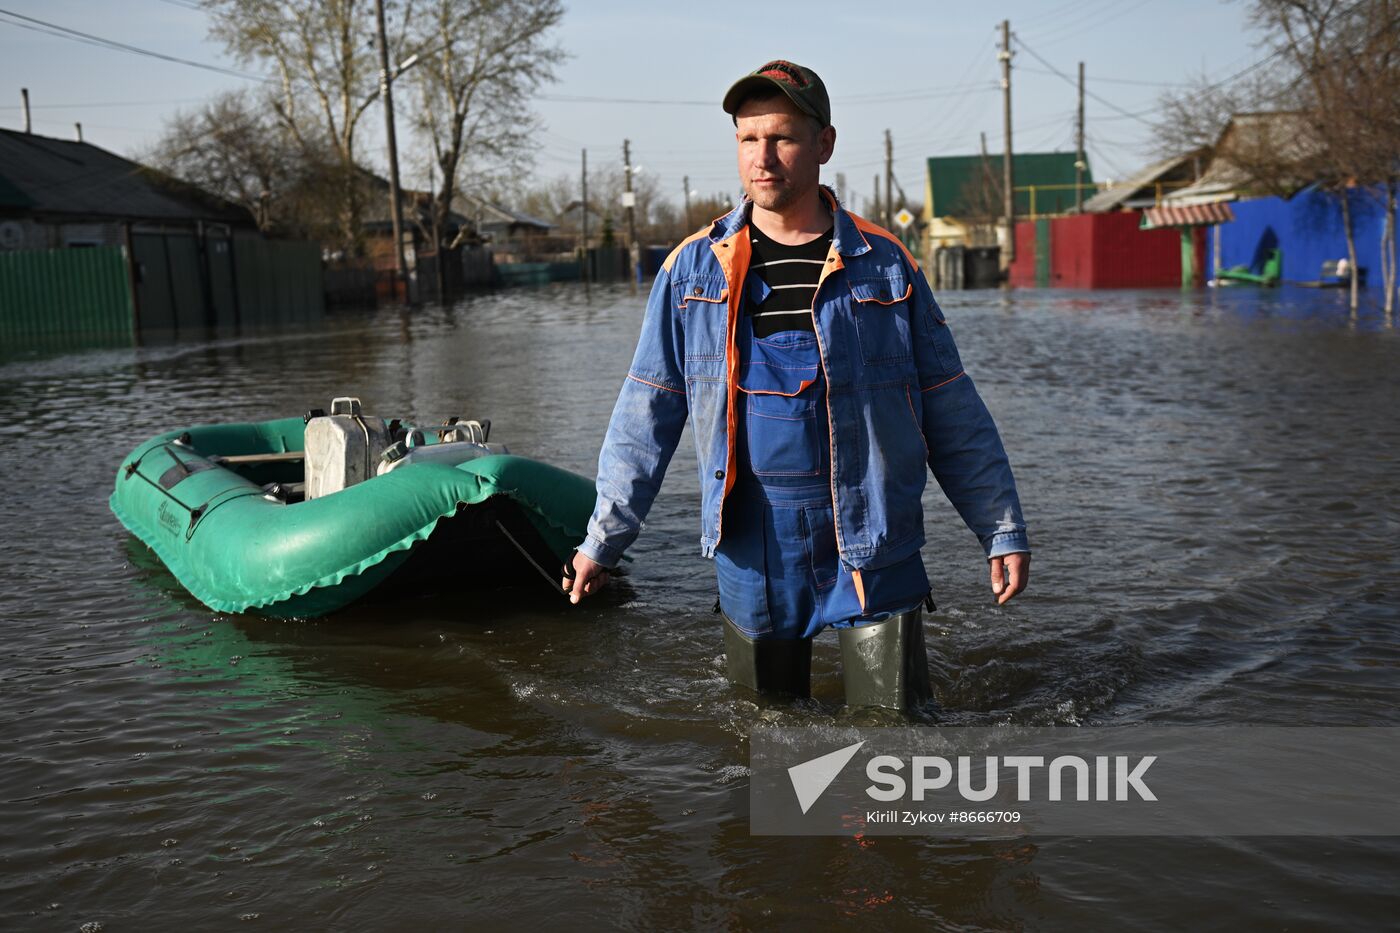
(589, 577)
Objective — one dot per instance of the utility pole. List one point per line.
(877, 213)
(688, 226)
(24, 105)
(841, 187)
(1079, 162)
(79, 128)
(1008, 178)
(629, 201)
(889, 180)
(583, 179)
(438, 265)
(989, 183)
(395, 207)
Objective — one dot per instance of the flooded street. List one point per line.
(1213, 494)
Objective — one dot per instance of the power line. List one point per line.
(1107, 103)
(1101, 79)
(864, 100)
(1053, 13)
(958, 110)
(1060, 34)
(1139, 115)
(53, 29)
(111, 103)
(576, 99)
(1067, 24)
(1235, 76)
(958, 90)
(1091, 145)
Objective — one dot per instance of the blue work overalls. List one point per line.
(780, 575)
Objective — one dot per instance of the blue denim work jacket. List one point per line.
(897, 398)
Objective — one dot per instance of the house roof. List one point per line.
(1188, 215)
(1142, 184)
(43, 175)
(493, 215)
(1249, 144)
(466, 208)
(949, 178)
(417, 206)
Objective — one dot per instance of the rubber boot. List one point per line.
(774, 666)
(886, 664)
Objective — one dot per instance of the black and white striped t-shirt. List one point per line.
(792, 273)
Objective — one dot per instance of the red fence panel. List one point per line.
(1127, 257)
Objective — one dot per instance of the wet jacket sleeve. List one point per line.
(965, 450)
(646, 424)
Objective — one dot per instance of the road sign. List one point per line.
(903, 218)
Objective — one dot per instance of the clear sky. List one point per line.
(925, 70)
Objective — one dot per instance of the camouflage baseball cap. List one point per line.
(800, 84)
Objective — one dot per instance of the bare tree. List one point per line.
(327, 75)
(480, 62)
(556, 200)
(235, 148)
(1194, 116)
(605, 188)
(1347, 55)
(659, 220)
(228, 147)
(982, 204)
(1364, 79)
(666, 219)
(709, 207)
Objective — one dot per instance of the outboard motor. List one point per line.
(342, 448)
(473, 432)
(412, 450)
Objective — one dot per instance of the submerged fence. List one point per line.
(168, 282)
(80, 293)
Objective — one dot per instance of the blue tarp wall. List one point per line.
(1308, 229)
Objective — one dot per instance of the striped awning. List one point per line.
(1189, 215)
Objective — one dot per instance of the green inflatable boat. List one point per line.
(227, 509)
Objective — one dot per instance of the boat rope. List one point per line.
(202, 512)
(197, 512)
(132, 469)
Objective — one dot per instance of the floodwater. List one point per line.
(1212, 486)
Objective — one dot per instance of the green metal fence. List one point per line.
(243, 280)
(85, 296)
(1042, 252)
(65, 293)
(278, 281)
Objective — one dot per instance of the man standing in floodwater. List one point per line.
(820, 380)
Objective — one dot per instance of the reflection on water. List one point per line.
(1211, 482)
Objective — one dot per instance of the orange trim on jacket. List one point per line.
(803, 387)
(654, 385)
(698, 234)
(733, 255)
(960, 374)
(893, 301)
